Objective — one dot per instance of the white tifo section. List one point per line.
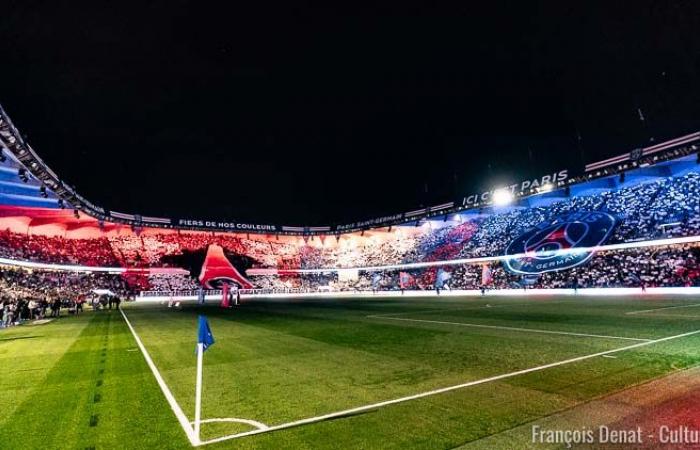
(486, 259)
(184, 423)
(361, 409)
(421, 265)
(634, 292)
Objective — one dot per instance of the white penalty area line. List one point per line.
(184, 422)
(374, 406)
(467, 307)
(428, 311)
(694, 305)
(517, 329)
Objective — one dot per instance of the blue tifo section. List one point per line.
(667, 174)
(16, 191)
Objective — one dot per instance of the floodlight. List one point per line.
(502, 197)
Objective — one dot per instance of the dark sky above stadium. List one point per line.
(295, 114)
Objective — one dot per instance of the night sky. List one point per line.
(299, 115)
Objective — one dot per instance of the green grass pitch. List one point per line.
(80, 383)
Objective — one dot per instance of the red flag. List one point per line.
(486, 276)
(224, 301)
(405, 280)
(218, 267)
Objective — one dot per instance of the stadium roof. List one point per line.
(271, 111)
(36, 196)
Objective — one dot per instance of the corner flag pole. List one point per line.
(198, 392)
(204, 340)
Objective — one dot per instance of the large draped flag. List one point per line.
(442, 277)
(204, 335)
(218, 268)
(486, 276)
(405, 280)
(376, 280)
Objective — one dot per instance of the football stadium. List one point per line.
(556, 306)
(457, 324)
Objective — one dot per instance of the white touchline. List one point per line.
(374, 406)
(499, 327)
(184, 423)
(694, 305)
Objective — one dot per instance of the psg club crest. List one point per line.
(552, 245)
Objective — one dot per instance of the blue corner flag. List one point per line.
(204, 335)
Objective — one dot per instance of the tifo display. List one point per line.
(643, 208)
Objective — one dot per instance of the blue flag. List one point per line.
(442, 277)
(204, 335)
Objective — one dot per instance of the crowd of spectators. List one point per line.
(667, 207)
(37, 294)
(171, 282)
(667, 266)
(664, 266)
(662, 208)
(28, 294)
(58, 250)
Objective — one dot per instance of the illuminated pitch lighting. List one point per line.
(457, 218)
(502, 197)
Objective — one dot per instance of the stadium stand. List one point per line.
(663, 208)
(654, 200)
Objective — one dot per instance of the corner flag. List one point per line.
(204, 340)
(204, 334)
